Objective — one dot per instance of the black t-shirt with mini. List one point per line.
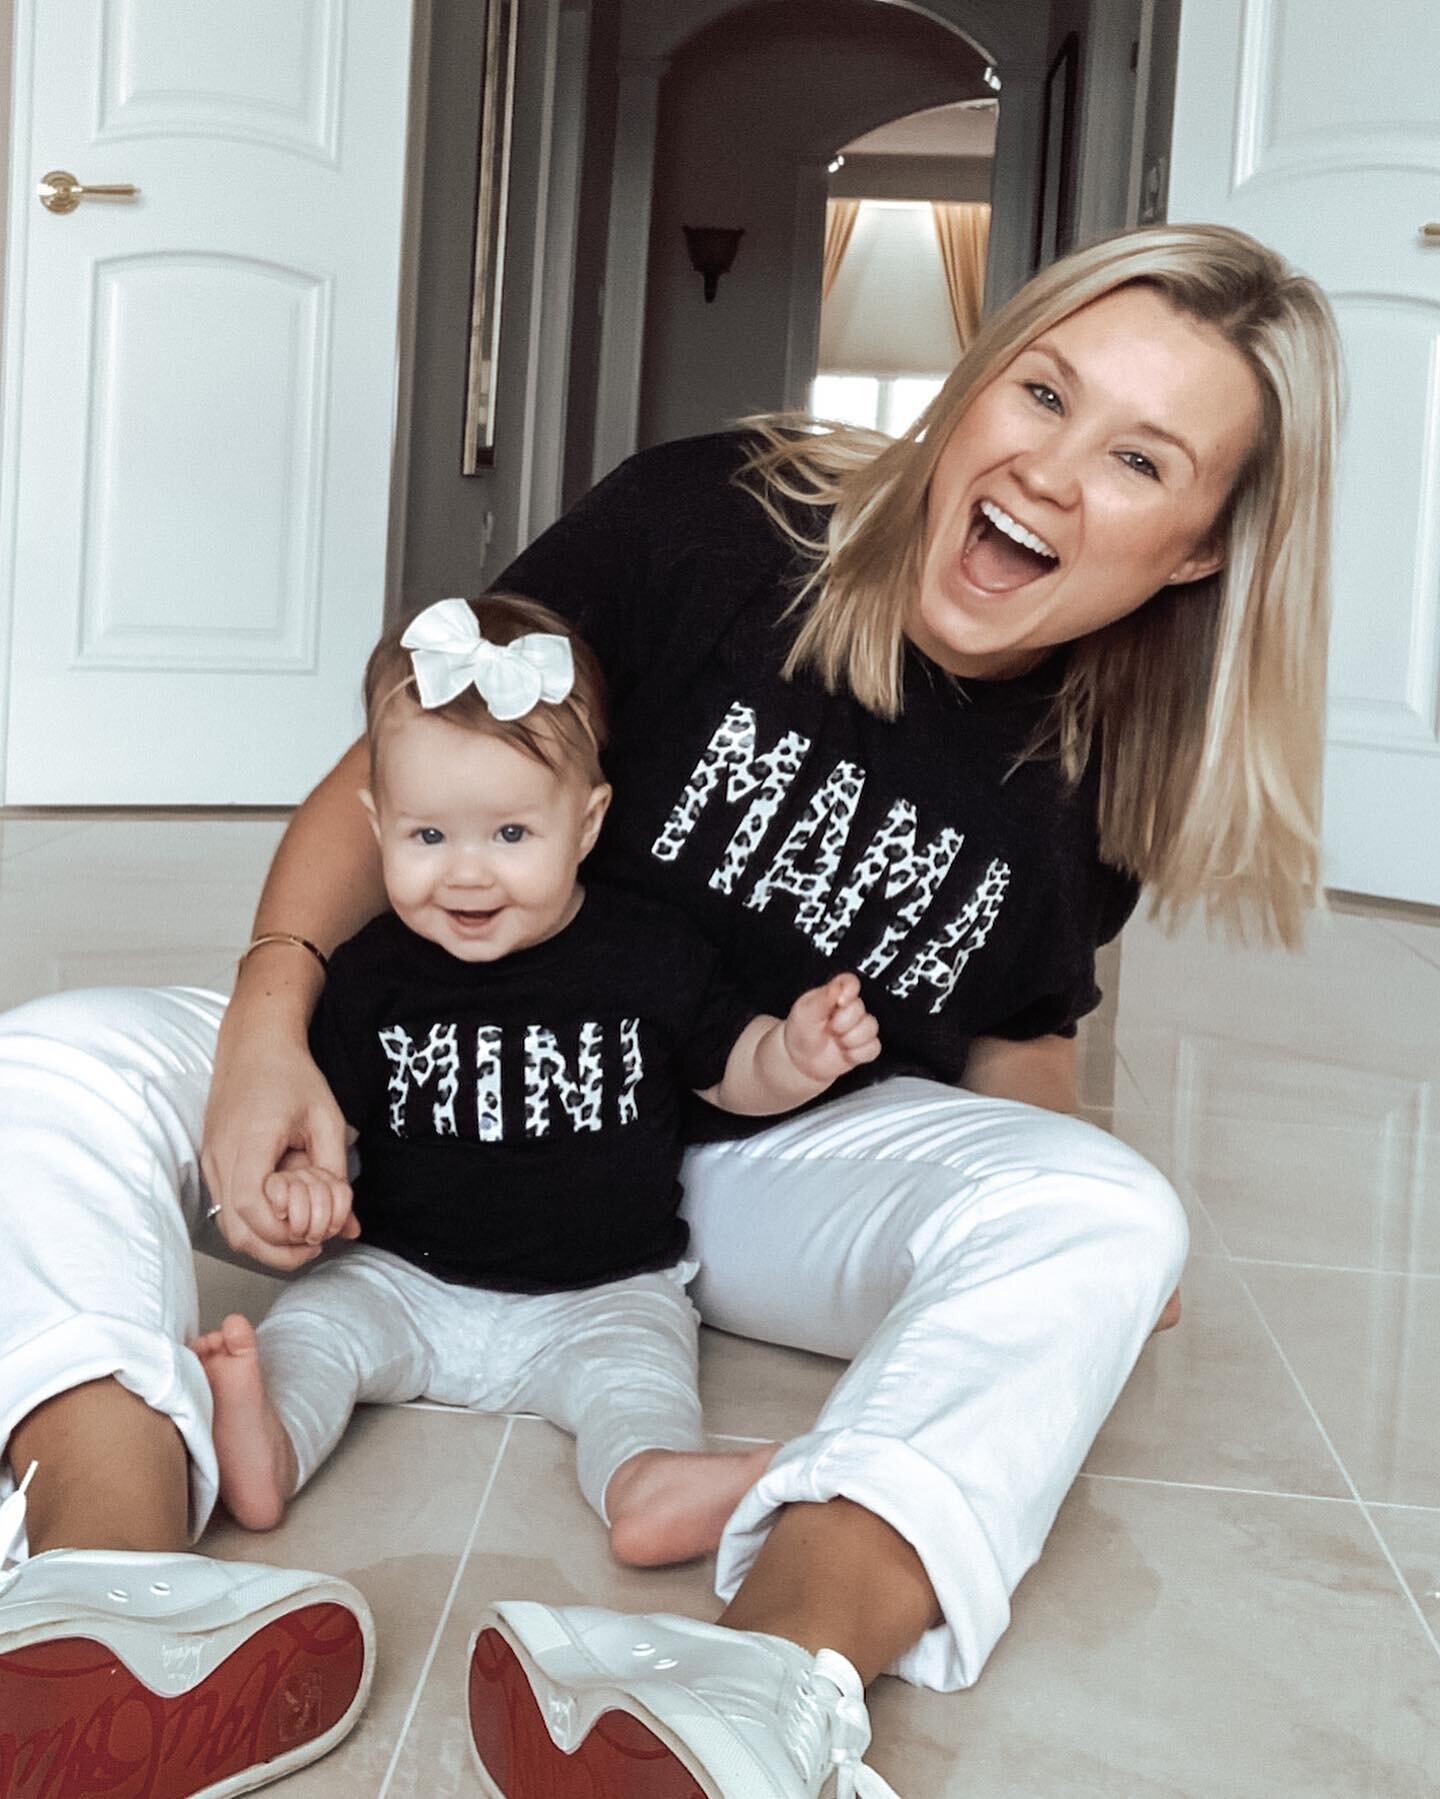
(803, 834)
(520, 1120)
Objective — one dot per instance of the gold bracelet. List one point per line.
(285, 937)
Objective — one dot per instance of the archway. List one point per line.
(751, 108)
(1011, 34)
(907, 224)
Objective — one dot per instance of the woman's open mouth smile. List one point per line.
(1000, 554)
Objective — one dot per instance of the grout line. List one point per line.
(9, 856)
(1405, 943)
(1405, 1591)
(445, 1611)
(1384, 1547)
(1399, 1274)
(1145, 1099)
(1205, 1486)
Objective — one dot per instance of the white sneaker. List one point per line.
(571, 1702)
(172, 1676)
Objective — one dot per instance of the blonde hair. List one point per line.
(1209, 698)
(567, 735)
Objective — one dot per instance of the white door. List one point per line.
(1315, 126)
(199, 392)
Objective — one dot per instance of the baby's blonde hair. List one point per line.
(567, 735)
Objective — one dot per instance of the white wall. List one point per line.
(744, 105)
(7, 51)
(889, 310)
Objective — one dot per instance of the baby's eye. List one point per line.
(1047, 396)
(430, 834)
(512, 833)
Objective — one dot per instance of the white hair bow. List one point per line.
(449, 654)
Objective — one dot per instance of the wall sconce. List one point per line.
(712, 250)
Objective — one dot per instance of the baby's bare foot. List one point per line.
(257, 1460)
(669, 1505)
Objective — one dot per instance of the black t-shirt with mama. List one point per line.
(803, 834)
(520, 1121)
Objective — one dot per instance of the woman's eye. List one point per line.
(1047, 396)
(511, 833)
(1141, 463)
(430, 834)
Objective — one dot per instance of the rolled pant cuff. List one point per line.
(92, 1346)
(917, 1500)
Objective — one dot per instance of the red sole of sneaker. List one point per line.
(75, 1723)
(619, 1758)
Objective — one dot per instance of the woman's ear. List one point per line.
(596, 807)
(1203, 560)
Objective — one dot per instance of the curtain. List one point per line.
(840, 217)
(964, 233)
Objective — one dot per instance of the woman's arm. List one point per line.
(1040, 1072)
(267, 1095)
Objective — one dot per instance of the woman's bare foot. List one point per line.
(1170, 1316)
(669, 1505)
(258, 1470)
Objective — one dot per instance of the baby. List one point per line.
(512, 1050)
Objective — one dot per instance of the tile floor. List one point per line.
(1242, 1594)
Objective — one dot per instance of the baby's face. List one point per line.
(480, 844)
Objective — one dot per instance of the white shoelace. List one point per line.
(828, 1726)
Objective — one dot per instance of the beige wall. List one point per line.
(446, 513)
(1107, 30)
(743, 104)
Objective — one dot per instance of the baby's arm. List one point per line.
(314, 1203)
(779, 1063)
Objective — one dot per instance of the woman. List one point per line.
(938, 708)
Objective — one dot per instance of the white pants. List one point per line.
(615, 1365)
(991, 1270)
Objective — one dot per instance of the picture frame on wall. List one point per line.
(1055, 220)
(497, 85)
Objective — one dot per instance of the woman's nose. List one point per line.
(1050, 470)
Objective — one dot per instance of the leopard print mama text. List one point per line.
(449, 1084)
(807, 864)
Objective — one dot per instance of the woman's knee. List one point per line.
(150, 1031)
(1130, 1213)
(1077, 1191)
(1150, 1212)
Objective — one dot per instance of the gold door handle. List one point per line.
(1431, 233)
(61, 192)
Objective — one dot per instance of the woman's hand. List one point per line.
(267, 1098)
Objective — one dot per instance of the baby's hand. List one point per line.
(314, 1204)
(829, 1031)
